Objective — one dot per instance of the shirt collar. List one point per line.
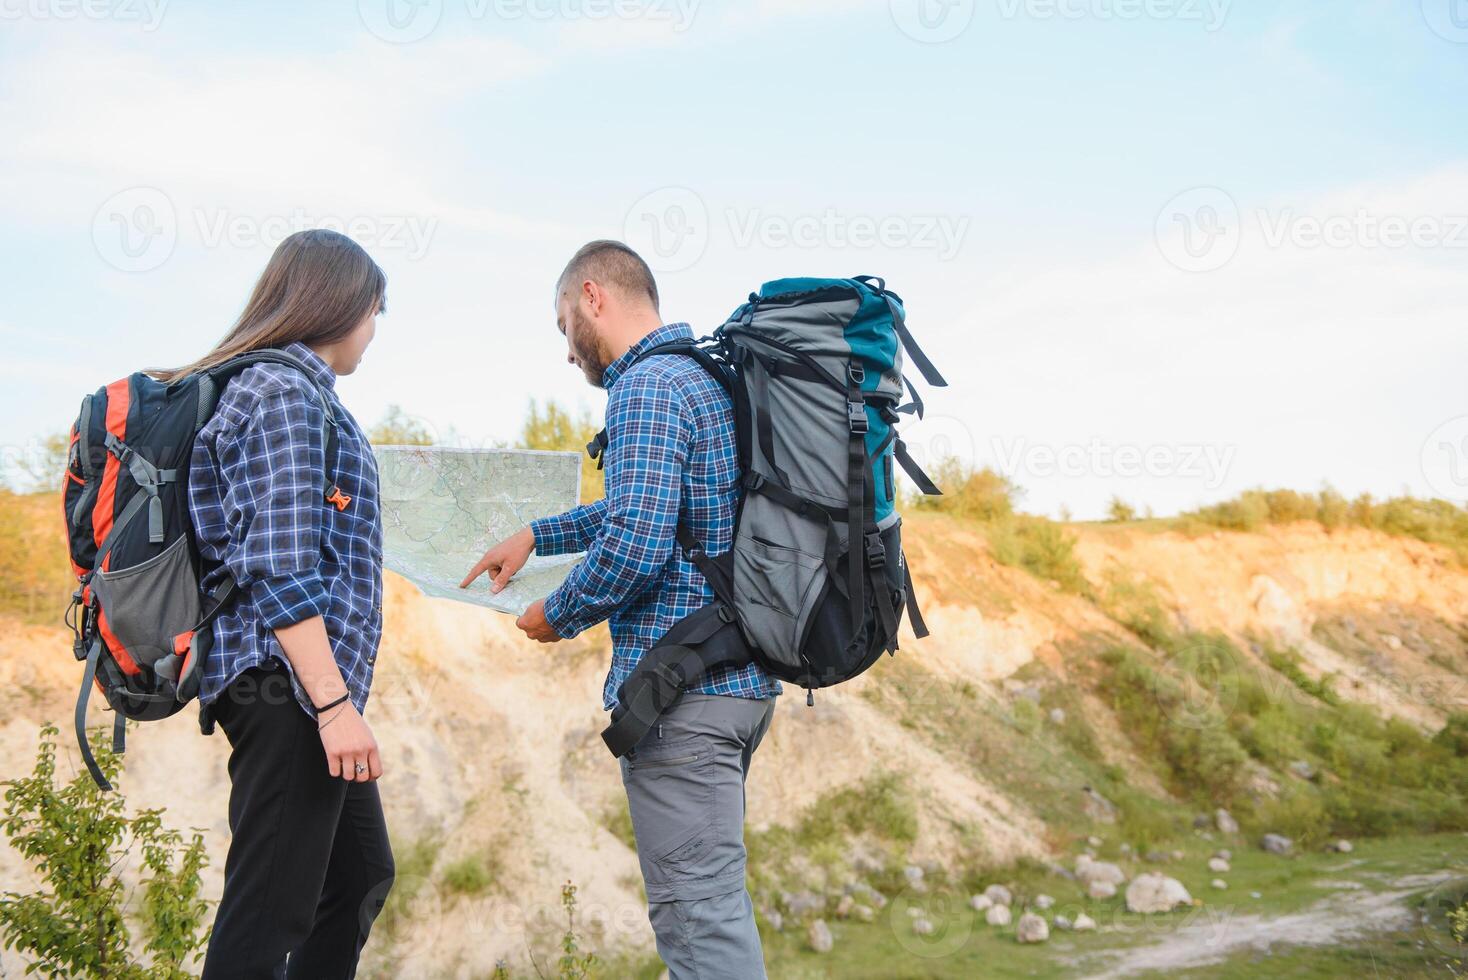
(663, 334)
(319, 371)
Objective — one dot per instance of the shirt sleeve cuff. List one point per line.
(560, 615)
(554, 535)
(285, 600)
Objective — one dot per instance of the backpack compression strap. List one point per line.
(899, 321)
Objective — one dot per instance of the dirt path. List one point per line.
(1214, 934)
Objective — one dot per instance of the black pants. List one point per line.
(309, 863)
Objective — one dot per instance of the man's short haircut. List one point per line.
(610, 264)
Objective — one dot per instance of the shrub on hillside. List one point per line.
(1433, 521)
(76, 837)
(982, 494)
(1042, 548)
(35, 579)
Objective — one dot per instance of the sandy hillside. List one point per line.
(492, 750)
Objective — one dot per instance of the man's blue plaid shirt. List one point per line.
(257, 493)
(671, 457)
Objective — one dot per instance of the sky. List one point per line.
(1164, 250)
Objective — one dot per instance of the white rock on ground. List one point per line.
(998, 915)
(1063, 922)
(980, 903)
(864, 913)
(1101, 889)
(922, 927)
(1224, 853)
(819, 935)
(999, 895)
(1032, 929)
(1089, 870)
(1084, 923)
(1220, 884)
(1276, 844)
(844, 907)
(1043, 902)
(1342, 846)
(1152, 892)
(1225, 822)
(1217, 865)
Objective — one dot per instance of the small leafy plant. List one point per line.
(77, 839)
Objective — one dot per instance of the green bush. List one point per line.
(979, 493)
(1433, 521)
(1453, 736)
(1042, 548)
(77, 838)
(470, 875)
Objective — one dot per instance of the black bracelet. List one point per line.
(328, 707)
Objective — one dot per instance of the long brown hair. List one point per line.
(316, 288)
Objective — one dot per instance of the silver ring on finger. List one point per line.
(359, 768)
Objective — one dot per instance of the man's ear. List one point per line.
(595, 297)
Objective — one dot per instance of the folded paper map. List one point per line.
(443, 508)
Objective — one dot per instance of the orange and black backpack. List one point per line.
(139, 614)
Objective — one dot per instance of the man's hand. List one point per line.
(533, 622)
(503, 560)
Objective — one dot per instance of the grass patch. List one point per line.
(1433, 521)
(1209, 710)
(1041, 547)
(414, 870)
(473, 874)
(617, 819)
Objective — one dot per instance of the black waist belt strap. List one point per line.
(704, 641)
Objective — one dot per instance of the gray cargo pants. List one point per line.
(685, 788)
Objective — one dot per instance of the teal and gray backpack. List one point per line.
(815, 585)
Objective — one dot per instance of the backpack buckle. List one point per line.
(876, 551)
(856, 417)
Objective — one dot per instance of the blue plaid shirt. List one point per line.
(257, 493)
(671, 457)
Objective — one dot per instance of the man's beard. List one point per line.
(591, 353)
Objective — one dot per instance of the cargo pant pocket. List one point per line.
(670, 794)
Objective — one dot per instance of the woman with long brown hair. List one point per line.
(291, 514)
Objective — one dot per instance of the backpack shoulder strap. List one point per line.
(213, 381)
(597, 447)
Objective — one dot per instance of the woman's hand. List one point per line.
(349, 743)
(503, 560)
